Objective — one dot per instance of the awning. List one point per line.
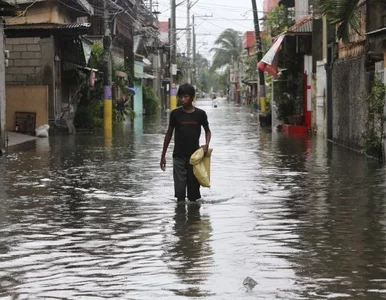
(143, 75)
(377, 35)
(68, 66)
(38, 29)
(302, 27)
(268, 62)
(148, 76)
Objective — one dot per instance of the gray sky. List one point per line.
(224, 14)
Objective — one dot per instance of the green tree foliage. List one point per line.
(228, 48)
(344, 14)
(150, 103)
(279, 19)
(202, 69)
(89, 113)
(251, 66)
(374, 132)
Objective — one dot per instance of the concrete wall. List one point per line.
(31, 63)
(28, 60)
(348, 108)
(27, 99)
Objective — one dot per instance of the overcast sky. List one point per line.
(223, 14)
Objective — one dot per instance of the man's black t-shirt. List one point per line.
(187, 130)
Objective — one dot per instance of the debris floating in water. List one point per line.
(249, 283)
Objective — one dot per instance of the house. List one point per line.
(6, 9)
(134, 45)
(164, 63)
(290, 61)
(250, 76)
(47, 63)
(149, 47)
(350, 73)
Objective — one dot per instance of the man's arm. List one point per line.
(208, 133)
(168, 137)
(208, 136)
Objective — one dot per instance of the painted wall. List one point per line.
(27, 99)
(349, 83)
(321, 103)
(138, 98)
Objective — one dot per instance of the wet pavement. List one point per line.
(82, 217)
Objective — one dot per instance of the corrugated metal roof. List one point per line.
(304, 25)
(47, 26)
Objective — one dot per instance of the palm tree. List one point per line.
(228, 48)
(343, 13)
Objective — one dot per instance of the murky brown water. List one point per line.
(81, 218)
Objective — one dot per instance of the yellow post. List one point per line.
(107, 109)
(173, 102)
(108, 137)
(173, 97)
(263, 107)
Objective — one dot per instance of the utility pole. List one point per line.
(107, 104)
(194, 35)
(188, 42)
(194, 53)
(259, 54)
(173, 51)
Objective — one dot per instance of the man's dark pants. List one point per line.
(184, 179)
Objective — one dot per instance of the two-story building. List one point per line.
(6, 9)
(47, 63)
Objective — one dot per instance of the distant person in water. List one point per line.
(186, 121)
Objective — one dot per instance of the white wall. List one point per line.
(301, 9)
(321, 97)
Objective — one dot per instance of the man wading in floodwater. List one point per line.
(186, 121)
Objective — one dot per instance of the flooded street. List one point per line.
(82, 217)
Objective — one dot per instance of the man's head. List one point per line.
(186, 93)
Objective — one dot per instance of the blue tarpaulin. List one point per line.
(133, 90)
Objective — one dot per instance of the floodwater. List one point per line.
(83, 217)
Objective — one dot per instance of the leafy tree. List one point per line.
(89, 113)
(202, 67)
(374, 134)
(228, 48)
(150, 102)
(344, 14)
(279, 19)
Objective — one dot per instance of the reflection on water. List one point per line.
(82, 219)
(189, 254)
